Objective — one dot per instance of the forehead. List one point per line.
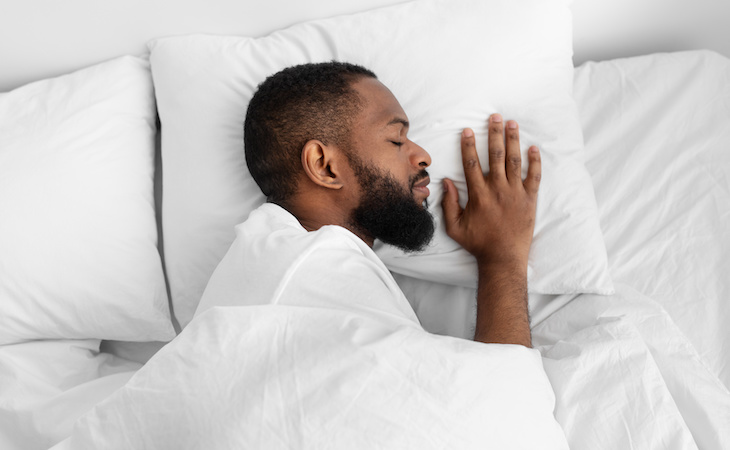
(380, 107)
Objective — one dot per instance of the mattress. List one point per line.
(651, 360)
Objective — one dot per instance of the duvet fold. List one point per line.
(300, 377)
(625, 376)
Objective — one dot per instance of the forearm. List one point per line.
(496, 226)
(502, 314)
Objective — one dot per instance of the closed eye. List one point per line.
(399, 144)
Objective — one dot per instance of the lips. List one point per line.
(423, 183)
(421, 186)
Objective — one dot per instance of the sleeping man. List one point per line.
(303, 338)
(328, 145)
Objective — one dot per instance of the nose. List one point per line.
(420, 157)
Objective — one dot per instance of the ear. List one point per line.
(321, 164)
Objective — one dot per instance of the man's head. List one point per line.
(291, 107)
(329, 143)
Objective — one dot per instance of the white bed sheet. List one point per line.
(658, 149)
(46, 385)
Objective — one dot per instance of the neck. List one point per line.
(312, 217)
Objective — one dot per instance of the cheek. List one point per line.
(399, 166)
(399, 172)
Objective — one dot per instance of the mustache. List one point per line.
(418, 177)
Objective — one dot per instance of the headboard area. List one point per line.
(45, 38)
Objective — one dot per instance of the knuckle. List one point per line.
(471, 163)
(495, 128)
(513, 135)
(515, 161)
(498, 153)
(537, 177)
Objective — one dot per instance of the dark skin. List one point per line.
(495, 226)
(328, 190)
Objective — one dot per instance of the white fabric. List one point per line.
(305, 377)
(335, 358)
(657, 139)
(451, 310)
(449, 63)
(625, 373)
(78, 237)
(658, 149)
(625, 376)
(274, 260)
(45, 386)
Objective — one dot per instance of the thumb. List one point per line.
(450, 205)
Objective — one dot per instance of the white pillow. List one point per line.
(79, 254)
(450, 64)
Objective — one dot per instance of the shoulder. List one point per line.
(273, 232)
(342, 272)
(274, 260)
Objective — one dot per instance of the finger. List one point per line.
(513, 166)
(534, 171)
(496, 147)
(472, 169)
(451, 207)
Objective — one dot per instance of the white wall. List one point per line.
(43, 38)
(605, 29)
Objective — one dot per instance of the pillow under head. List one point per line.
(450, 64)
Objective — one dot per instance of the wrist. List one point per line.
(502, 302)
(512, 264)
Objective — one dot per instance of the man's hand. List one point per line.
(496, 227)
(497, 224)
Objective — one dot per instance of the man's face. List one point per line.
(390, 170)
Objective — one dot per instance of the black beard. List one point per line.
(389, 212)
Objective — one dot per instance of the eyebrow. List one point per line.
(397, 121)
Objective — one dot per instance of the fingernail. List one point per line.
(511, 124)
(446, 186)
(468, 132)
(496, 118)
(533, 149)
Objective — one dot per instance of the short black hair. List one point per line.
(291, 107)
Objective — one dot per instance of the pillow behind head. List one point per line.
(450, 64)
(78, 236)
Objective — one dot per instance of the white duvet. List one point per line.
(270, 377)
(280, 377)
(626, 377)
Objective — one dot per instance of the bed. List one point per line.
(101, 343)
